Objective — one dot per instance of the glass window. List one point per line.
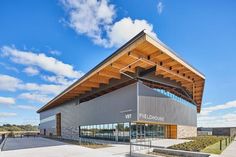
(110, 132)
(93, 130)
(115, 132)
(120, 131)
(126, 132)
(96, 131)
(133, 130)
(105, 131)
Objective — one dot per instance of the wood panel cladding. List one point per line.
(171, 131)
(58, 124)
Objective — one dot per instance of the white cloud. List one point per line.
(160, 7)
(7, 101)
(227, 105)
(7, 114)
(36, 97)
(42, 61)
(223, 120)
(230, 118)
(42, 88)
(31, 71)
(58, 80)
(90, 17)
(126, 28)
(96, 20)
(209, 117)
(27, 107)
(8, 83)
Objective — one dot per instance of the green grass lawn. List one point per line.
(207, 144)
(215, 148)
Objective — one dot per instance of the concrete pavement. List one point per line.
(30, 142)
(42, 147)
(230, 151)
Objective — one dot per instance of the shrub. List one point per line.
(198, 143)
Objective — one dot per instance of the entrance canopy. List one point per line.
(144, 52)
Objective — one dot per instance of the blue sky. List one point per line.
(39, 37)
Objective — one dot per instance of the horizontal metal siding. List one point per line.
(154, 104)
(68, 111)
(107, 108)
(101, 110)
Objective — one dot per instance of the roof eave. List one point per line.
(135, 38)
(120, 51)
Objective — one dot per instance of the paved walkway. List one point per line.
(230, 151)
(42, 147)
(30, 142)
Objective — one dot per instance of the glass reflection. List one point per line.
(121, 131)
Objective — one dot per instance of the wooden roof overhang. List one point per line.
(141, 51)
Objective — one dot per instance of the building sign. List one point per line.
(145, 116)
(127, 113)
(128, 116)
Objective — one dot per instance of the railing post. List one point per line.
(226, 142)
(220, 144)
(3, 136)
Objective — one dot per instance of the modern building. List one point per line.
(201, 131)
(218, 131)
(143, 90)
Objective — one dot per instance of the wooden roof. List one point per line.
(141, 51)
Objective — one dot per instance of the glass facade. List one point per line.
(154, 131)
(176, 98)
(114, 132)
(121, 131)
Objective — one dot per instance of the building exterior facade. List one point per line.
(132, 94)
(219, 131)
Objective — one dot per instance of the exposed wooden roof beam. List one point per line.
(120, 66)
(109, 74)
(171, 72)
(90, 84)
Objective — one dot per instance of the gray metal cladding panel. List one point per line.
(107, 108)
(100, 110)
(68, 112)
(156, 107)
(50, 124)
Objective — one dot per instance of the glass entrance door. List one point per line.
(140, 131)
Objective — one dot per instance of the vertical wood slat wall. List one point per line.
(58, 124)
(171, 131)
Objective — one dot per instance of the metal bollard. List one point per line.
(220, 144)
